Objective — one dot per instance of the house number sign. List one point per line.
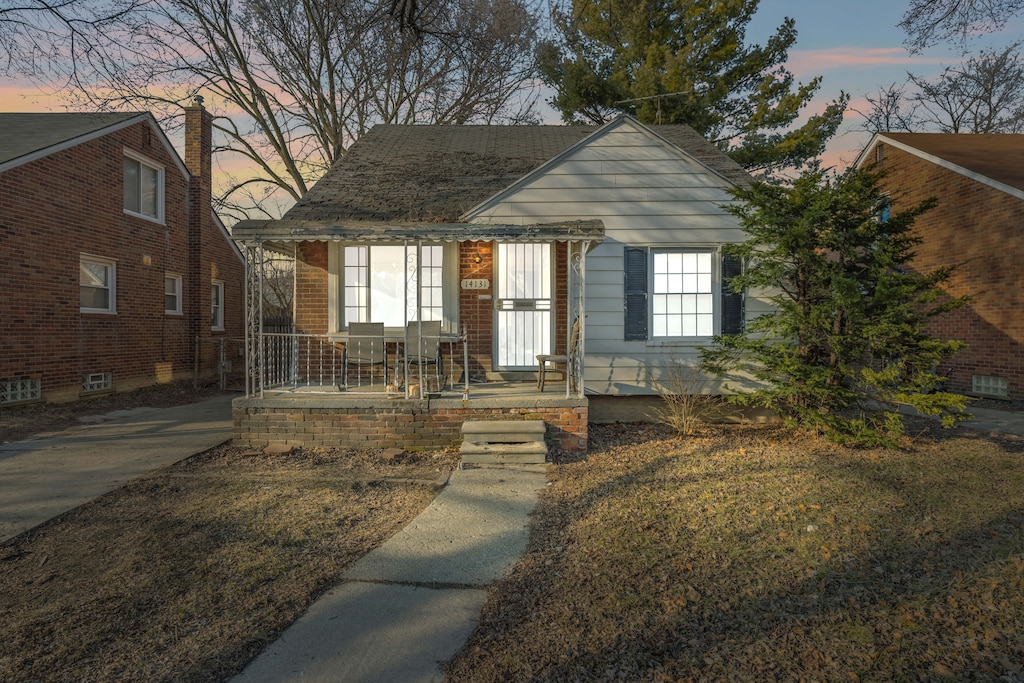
(480, 283)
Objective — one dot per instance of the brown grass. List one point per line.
(750, 554)
(185, 575)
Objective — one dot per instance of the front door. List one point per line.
(522, 305)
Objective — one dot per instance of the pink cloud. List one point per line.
(811, 62)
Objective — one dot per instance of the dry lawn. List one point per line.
(750, 554)
(739, 554)
(187, 574)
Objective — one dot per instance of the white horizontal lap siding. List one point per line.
(647, 194)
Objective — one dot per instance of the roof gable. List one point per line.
(680, 143)
(993, 160)
(26, 137)
(439, 173)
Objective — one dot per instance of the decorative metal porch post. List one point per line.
(253, 318)
(574, 354)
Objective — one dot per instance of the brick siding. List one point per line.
(71, 202)
(979, 227)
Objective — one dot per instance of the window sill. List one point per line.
(151, 219)
(95, 311)
(680, 341)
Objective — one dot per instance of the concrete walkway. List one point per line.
(410, 605)
(52, 473)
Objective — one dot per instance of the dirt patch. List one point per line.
(187, 574)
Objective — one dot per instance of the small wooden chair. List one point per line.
(559, 362)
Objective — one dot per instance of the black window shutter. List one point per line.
(732, 301)
(634, 268)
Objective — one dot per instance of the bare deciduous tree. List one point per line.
(927, 22)
(890, 109)
(294, 82)
(34, 33)
(985, 94)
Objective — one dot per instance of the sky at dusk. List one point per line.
(855, 46)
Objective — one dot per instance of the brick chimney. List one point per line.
(198, 150)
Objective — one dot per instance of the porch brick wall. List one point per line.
(979, 227)
(311, 285)
(414, 425)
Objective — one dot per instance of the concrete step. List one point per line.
(503, 441)
(531, 448)
(521, 428)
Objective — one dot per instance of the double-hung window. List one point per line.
(97, 279)
(172, 294)
(393, 284)
(674, 293)
(217, 306)
(143, 187)
(681, 296)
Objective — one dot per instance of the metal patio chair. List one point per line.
(365, 348)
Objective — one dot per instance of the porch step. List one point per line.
(503, 441)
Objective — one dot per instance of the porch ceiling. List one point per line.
(591, 231)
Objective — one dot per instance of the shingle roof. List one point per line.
(22, 134)
(998, 157)
(437, 173)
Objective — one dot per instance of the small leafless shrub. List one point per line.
(685, 406)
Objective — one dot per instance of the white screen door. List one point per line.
(522, 305)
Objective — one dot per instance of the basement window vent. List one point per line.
(996, 387)
(21, 390)
(97, 381)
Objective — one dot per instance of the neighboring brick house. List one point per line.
(113, 267)
(979, 223)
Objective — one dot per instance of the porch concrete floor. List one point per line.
(482, 390)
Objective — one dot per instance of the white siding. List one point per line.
(647, 193)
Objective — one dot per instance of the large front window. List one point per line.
(393, 284)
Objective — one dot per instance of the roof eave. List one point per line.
(371, 231)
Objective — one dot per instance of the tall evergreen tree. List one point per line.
(686, 61)
(846, 345)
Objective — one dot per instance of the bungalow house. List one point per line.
(979, 183)
(598, 244)
(114, 271)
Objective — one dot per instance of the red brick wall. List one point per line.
(311, 283)
(980, 227)
(69, 203)
(476, 307)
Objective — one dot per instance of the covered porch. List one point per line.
(480, 301)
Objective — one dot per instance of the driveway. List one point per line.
(49, 474)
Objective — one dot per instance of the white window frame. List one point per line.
(703, 284)
(217, 311)
(177, 280)
(111, 284)
(448, 288)
(158, 216)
